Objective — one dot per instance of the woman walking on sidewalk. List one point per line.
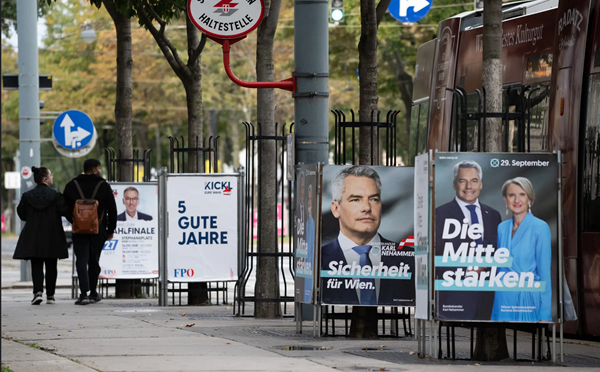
(42, 240)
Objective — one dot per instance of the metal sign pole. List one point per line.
(29, 101)
(162, 231)
(419, 338)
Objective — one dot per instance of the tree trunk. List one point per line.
(197, 292)
(267, 275)
(492, 72)
(123, 113)
(123, 105)
(405, 86)
(364, 319)
(367, 71)
(193, 90)
(491, 342)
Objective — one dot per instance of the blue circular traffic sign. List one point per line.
(73, 130)
(409, 10)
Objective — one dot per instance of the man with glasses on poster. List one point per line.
(131, 199)
(465, 208)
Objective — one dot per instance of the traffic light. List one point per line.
(337, 10)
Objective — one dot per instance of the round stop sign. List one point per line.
(226, 19)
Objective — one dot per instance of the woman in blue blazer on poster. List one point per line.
(528, 240)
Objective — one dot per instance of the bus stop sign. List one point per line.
(409, 10)
(226, 19)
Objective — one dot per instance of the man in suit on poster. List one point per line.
(357, 207)
(131, 199)
(465, 207)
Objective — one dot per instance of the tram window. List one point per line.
(422, 137)
(454, 129)
(473, 125)
(471, 129)
(538, 99)
(511, 101)
(418, 131)
(591, 159)
(413, 144)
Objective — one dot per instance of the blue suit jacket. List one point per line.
(392, 292)
(476, 305)
(531, 250)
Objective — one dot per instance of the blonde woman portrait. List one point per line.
(528, 240)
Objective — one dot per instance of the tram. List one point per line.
(551, 101)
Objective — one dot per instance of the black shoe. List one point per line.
(37, 299)
(82, 300)
(50, 299)
(95, 298)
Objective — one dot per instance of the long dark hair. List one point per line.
(39, 174)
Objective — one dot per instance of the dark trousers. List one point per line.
(87, 249)
(37, 274)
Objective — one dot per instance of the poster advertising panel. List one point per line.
(202, 234)
(133, 251)
(306, 237)
(496, 237)
(367, 244)
(421, 218)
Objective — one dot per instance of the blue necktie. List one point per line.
(474, 220)
(367, 296)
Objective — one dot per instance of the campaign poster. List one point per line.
(202, 234)
(306, 221)
(132, 253)
(421, 218)
(496, 237)
(367, 244)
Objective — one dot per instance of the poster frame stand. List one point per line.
(424, 348)
(163, 176)
(104, 285)
(434, 324)
(316, 306)
(162, 231)
(561, 271)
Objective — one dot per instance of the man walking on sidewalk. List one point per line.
(88, 247)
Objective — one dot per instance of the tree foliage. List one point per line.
(84, 74)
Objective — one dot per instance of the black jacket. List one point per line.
(105, 197)
(43, 235)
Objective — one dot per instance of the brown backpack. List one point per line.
(85, 213)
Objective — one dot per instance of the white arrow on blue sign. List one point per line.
(73, 129)
(409, 10)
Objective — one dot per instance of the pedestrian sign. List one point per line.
(73, 130)
(409, 10)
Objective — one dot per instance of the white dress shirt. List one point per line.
(352, 256)
(467, 212)
(129, 218)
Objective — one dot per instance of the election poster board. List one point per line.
(367, 243)
(306, 237)
(421, 218)
(202, 234)
(496, 254)
(132, 253)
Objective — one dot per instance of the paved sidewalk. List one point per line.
(137, 335)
